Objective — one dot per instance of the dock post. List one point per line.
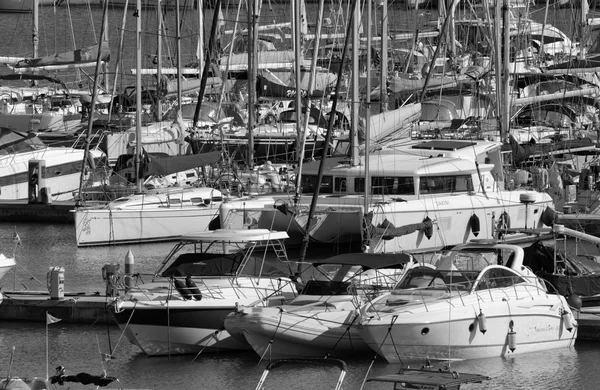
(129, 269)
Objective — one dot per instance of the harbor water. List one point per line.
(79, 348)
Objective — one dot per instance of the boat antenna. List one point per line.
(338, 83)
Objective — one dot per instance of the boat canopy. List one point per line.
(368, 260)
(218, 264)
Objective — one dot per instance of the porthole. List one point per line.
(424, 331)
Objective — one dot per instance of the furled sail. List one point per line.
(79, 58)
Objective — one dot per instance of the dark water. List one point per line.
(78, 347)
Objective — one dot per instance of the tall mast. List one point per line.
(354, 99)
(103, 32)
(159, 58)
(252, 69)
(311, 88)
(298, 57)
(138, 93)
(383, 99)
(178, 31)
(504, 103)
(368, 103)
(36, 23)
(200, 49)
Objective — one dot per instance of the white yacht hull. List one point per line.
(63, 173)
(276, 335)
(339, 219)
(106, 226)
(159, 340)
(191, 326)
(448, 332)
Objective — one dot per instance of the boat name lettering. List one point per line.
(442, 202)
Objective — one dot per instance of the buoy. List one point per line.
(482, 322)
(548, 216)
(574, 301)
(567, 320)
(504, 221)
(474, 224)
(428, 231)
(129, 268)
(512, 340)
(182, 288)
(193, 288)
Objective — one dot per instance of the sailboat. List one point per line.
(150, 215)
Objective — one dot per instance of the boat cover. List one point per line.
(573, 275)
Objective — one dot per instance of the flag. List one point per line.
(50, 319)
(16, 238)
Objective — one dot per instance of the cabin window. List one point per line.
(445, 184)
(196, 201)
(174, 201)
(359, 185)
(309, 182)
(339, 185)
(498, 278)
(393, 185)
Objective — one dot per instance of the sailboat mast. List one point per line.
(368, 104)
(297, 52)
(383, 99)
(36, 23)
(138, 93)
(200, 48)
(354, 99)
(159, 58)
(86, 153)
(311, 88)
(252, 69)
(584, 10)
(505, 103)
(179, 93)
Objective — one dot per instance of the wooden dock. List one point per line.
(76, 308)
(23, 211)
